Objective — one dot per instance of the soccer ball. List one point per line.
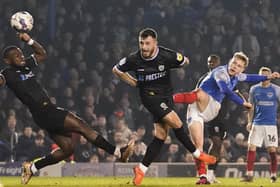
(22, 21)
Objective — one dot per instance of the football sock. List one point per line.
(182, 136)
(45, 161)
(186, 97)
(213, 166)
(251, 156)
(273, 163)
(210, 172)
(200, 167)
(153, 151)
(104, 144)
(196, 153)
(33, 168)
(143, 168)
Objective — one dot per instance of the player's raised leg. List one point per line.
(75, 124)
(173, 121)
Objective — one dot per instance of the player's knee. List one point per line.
(173, 120)
(252, 147)
(271, 149)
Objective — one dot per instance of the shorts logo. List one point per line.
(161, 67)
(163, 106)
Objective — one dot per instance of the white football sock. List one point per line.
(33, 168)
(196, 153)
(143, 168)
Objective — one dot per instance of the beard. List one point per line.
(148, 54)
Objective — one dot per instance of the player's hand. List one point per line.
(274, 75)
(249, 127)
(24, 36)
(247, 105)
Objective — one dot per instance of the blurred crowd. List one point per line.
(85, 38)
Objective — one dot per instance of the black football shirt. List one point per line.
(22, 81)
(154, 73)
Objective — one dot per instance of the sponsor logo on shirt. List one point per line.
(151, 77)
(26, 76)
(155, 76)
(266, 103)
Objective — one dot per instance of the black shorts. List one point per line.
(158, 105)
(216, 128)
(51, 118)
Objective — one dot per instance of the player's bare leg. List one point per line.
(196, 131)
(75, 124)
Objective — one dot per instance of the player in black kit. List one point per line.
(151, 65)
(58, 122)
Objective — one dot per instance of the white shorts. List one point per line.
(266, 134)
(208, 114)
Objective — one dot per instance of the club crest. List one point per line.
(161, 67)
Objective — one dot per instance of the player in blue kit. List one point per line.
(205, 102)
(262, 124)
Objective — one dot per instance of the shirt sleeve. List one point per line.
(2, 77)
(31, 61)
(221, 75)
(222, 78)
(277, 90)
(8, 76)
(125, 64)
(176, 59)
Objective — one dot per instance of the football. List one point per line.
(22, 21)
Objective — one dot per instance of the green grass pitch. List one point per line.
(126, 182)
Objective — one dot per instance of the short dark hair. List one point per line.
(7, 50)
(215, 57)
(148, 32)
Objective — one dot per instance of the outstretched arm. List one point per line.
(233, 95)
(39, 51)
(258, 78)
